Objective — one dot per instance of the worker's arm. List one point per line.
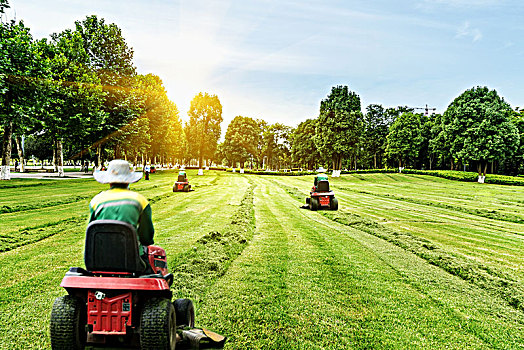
(146, 230)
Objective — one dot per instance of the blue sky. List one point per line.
(277, 60)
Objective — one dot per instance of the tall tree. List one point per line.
(339, 125)
(303, 149)
(241, 139)
(404, 139)
(479, 127)
(74, 95)
(112, 59)
(203, 128)
(22, 69)
(376, 128)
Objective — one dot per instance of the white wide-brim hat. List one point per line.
(118, 172)
(321, 170)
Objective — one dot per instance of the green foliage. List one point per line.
(339, 125)
(479, 128)
(21, 91)
(242, 139)
(404, 138)
(469, 176)
(303, 149)
(274, 145)
(4, 4)
(203, 128)
(376, 128)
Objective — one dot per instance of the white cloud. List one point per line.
(466, 31)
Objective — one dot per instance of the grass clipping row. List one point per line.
(480, 275)
(198, 268)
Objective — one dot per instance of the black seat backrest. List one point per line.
(181, 178)
(323, 186)
(112, 245)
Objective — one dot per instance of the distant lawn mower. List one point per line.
(182, 183)
(321, 197)
(118, 300)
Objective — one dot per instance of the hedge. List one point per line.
(469, 176)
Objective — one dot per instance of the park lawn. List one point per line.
(306, 282)
(30, 275)
(272, 276)
(410, 208)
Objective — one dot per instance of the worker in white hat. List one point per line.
(120, 203)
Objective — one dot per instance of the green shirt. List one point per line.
(320, 177)
(125, 205)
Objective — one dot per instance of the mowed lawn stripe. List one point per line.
(476, 311)
(490, 242)
(30, 275)
(338, 293)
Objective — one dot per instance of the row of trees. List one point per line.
(478, 129)
(79, 95)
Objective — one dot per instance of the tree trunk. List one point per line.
(18, 140)
(200, 157)
(375, 160)
(99, 156)
(55, 156)
(482, 171)
(60, 158)
(6, 152)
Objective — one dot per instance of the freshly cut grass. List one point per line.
(482, 275)
(209, 258)
(269, 275)
(30, 275)
(307, 282)
(497, 244)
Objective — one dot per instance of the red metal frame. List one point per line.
(157, 259)
(109, 315)
(325, 200)
(98, 283)
(180, 185)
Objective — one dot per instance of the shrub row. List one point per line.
(447, 174)
(469, 176)
(312, 172)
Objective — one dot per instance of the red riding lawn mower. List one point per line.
(182, 184)
(119, 300)
(321, 197)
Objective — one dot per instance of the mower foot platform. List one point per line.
(201, 338)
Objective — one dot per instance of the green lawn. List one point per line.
(408, 261)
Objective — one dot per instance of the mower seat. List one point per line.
(323, 186)
(112, 246)
(181, 178)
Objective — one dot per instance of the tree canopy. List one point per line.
(479, 128)
(339, 125)
(203, 128)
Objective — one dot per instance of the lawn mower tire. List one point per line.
(314, 203)
(334, 204)
(308, 199)
(186, 188)
(158, 325)
(68, 324)
(185, 313)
